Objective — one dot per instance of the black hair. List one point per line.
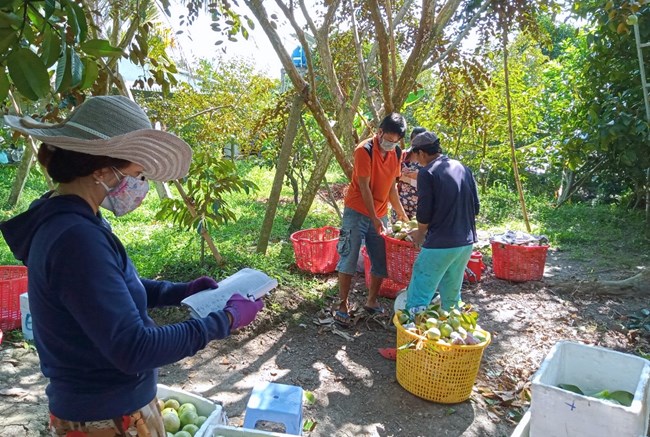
(66, 166)
(416, 131)
(394, 123)
(429, 149)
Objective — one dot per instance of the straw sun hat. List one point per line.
(117, 127)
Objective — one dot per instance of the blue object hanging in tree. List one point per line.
(298, 57)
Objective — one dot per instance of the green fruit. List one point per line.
(455, 323)
(445, 330)
(191, 429)
(431, 323)
(200, 421)
(455, 313)
(433, 333)
(169, 410)
(172, 403)
(461, 331)
(169, 434)
(186, 407)
(413, 224)
(397, 227)
(403, 318)
(161, 404)
(171, 421)
(188, 417)
(444, 314)
(182, 434)
(632, 20)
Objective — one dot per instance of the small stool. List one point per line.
(273, 402)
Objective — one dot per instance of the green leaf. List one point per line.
(82, 25)
(4, 85)
(51, 48)
(309, 425)
(100, 48)
(73, 22)
(622, 397)
(7, 38)
(50, 7)
(571, 388)
(310, 398)
(28, 74)
(76, 69)
(90, 73)
(8, 19)
(63, 76)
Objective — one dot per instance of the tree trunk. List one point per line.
(566, 186)
(280, 170)
(309, 193)
(21, 177)
(511, 135)
(204, 233)
(637, 285)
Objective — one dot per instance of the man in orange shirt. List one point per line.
(373, 185)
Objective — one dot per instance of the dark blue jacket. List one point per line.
(448, 202)
(95, 340)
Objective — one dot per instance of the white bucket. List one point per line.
(26, 317)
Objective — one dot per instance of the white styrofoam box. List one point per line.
(558, 412)
(204, 407)
(233, 431)
(523, 427)
(26, 317)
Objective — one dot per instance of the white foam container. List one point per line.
(523, 427)
(204, 407)
(555, 412)
(233, 431)
(26, 317)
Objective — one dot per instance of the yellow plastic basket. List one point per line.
(435, 372)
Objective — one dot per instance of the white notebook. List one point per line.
(249, 283)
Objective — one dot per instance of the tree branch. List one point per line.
(382, 40)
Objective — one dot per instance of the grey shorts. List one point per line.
(356, 227)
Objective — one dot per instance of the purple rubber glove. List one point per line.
(242, 310)
(200, 284)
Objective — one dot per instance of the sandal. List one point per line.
(375, 310)
(342, 319)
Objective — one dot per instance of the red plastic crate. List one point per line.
(400, 256)
(389, 288)
(13, 282)
(518, 263)
(315, 249)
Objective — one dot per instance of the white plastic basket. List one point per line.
(233, 431)
(204, 407)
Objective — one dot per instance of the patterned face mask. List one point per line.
(126, 196)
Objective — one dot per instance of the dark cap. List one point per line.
(424, 139)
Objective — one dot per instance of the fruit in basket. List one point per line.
(171, 421)
(455, 327)
(191, 429)
(397, 226)
(172, 403)
(186, 407)
(200, 421)
(188, 417)
(182, 434)
(168, 410)
(161, 404)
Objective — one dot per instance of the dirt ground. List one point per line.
(355, 389)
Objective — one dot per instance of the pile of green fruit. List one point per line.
(402, 230)
(455, 327)
(181, 420)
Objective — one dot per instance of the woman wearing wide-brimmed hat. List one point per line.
(95, 340)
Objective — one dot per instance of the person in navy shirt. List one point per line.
(96, 342)
(446, 213)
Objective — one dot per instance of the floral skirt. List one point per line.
(146, 422)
